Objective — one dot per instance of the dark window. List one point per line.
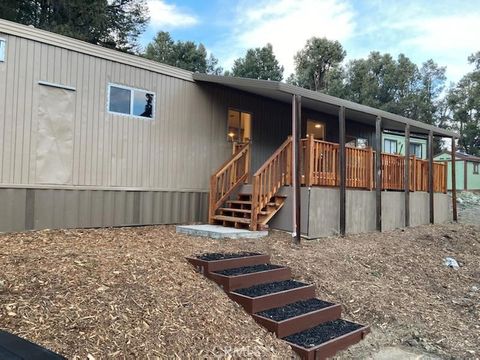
(475, 168)
(390, 146)
(120, 100)
(133, 102)
(416, 149)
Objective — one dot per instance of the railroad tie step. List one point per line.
(312, 327)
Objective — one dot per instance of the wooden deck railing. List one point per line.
(393, 169)
(319, 167)
(439, 177)
(319, 163)
(274, 173)
(359, 168)
(227, 178)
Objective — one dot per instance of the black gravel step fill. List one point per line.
(322, 333)
(270, 288)
(248, 269)
(295, 309)
(224, 256)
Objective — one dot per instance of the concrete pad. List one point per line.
(219, 232)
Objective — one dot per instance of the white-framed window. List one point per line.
(125, 100)
(416, 149)
(390, 146)
(3, 45)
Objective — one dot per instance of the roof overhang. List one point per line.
(323, 103)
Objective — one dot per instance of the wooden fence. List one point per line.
(319, 167)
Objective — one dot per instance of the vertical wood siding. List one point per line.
(178, 150)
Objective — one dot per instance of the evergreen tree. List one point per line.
(314, 62)
(258, 63)
(111, 23)
(183, 54)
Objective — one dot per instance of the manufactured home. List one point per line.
(394, 143)
(467, 170)
(92, 137)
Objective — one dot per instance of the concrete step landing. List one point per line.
(219, 232)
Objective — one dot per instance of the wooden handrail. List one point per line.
(228, 178)
(319, 167)
(267, 180)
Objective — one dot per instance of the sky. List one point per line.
(445, 31)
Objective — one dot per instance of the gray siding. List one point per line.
(178, 150)
(30, 209)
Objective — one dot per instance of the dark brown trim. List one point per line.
(430, 176)
(296, 142)
(465, 175)
(454, 182)
(406, 175)
(342, 164)
(378, 172)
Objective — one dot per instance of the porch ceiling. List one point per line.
(323, 103)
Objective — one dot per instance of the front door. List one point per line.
(239, 130)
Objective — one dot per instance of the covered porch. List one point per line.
(303, 163)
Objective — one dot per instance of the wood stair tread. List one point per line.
(232, 219)
(239, 202)
(243, 211)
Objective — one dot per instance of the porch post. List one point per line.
(296, 118)
(378, 172)
(454, 181)
(406, 178)
(342, 160)
(430, 176)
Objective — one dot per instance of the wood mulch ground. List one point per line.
(129, 293)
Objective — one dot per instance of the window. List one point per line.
(390, 146)
(239, 126)
(351, 141)
(416, 149)
(316, 129)
(132, 102)
(2, 50)
(475, 168)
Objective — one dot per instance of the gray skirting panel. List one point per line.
(29, 209)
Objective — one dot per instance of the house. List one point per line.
(92, 137)
(394, 143)
(467, 170)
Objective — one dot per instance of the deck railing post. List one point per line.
(309, 161)
(430, 176)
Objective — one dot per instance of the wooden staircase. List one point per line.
(238, 212)
(252, 206)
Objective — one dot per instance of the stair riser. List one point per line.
(270, 301)
(330, 348)
(299, 323)
(229, 283)
(206, 267)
